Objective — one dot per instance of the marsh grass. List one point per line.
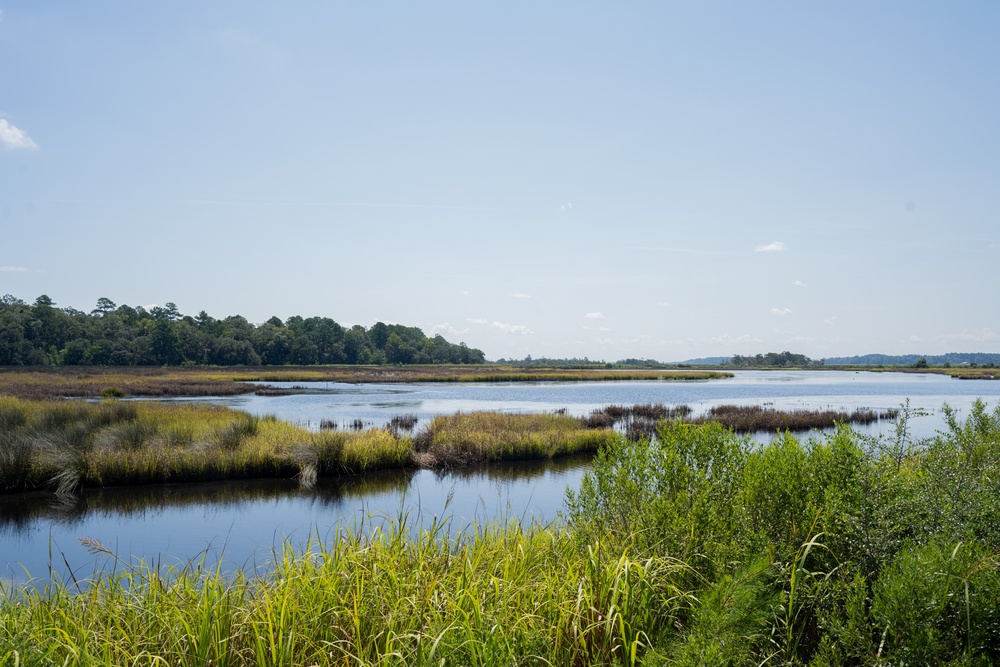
(492, 595)
(750, 418)
(63, 445)
(66, 445)
(471, 437)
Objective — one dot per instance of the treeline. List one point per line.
(774, 359)
(951, 358)
(575, 362)
(112, 335)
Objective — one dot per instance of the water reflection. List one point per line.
(242, 522)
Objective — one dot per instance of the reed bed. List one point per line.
(473, 437)
(750, 418)
(64, 445)
(642, 420)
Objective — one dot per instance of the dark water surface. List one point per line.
(242, 522)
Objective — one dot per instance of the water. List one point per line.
(241, 523)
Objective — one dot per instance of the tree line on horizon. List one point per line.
(774, 360)
(111, 335)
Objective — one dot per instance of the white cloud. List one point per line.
(916, 339)
(515, 329)
(663, 304)
(464, 292)
(477, 320)
(781, 311)
(644, 338)
(14, 139)
(729, 339)
(520, 295)
(971, 336)
(594, 316)
(566, 207)
(830, 320)
(798, 283)
(774, 246)
(13, 269)
(448, 329)
(604, 341)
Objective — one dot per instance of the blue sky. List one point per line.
(659, 180)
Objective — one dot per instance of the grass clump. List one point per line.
(471, 437)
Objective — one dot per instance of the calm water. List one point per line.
(242, 522)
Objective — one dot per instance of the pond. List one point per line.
(241, 523)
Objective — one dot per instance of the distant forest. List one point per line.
(952, 358)
(112, 335)
(774, 360)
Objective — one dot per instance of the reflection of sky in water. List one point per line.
(242, 522)
(787, 390)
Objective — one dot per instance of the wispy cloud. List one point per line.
(663, 304)
(798, 283)
(13, 269)
(520, 295)
(14, 138)
(729, 339)
(568, 206)
(781, 311)
(594, 316)
(986, 334)
(916, 339)
(515, 329)
(774, 246)
(446, 327)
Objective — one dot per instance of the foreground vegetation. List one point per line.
(696, 549)
(95, 382)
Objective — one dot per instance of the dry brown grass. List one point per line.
(95, 381)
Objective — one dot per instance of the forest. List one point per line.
(111, 335)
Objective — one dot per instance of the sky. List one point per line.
(562, 179)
